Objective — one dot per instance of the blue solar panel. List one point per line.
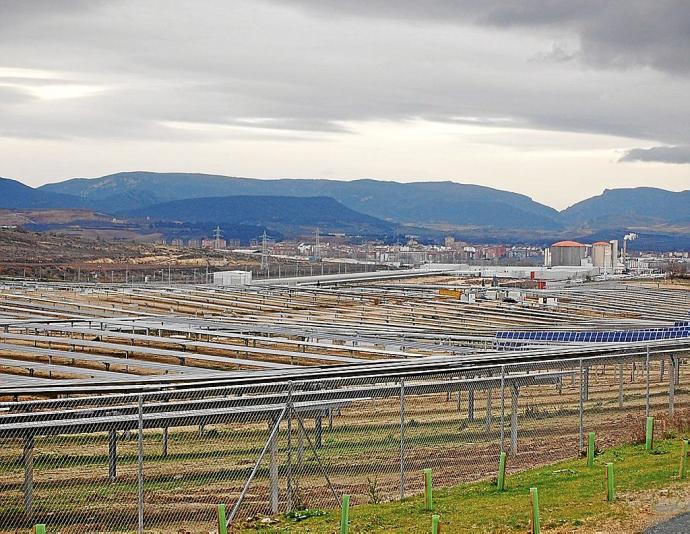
(678, 330)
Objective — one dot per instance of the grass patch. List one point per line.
(570, 494)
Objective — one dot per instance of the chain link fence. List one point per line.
(163, 461)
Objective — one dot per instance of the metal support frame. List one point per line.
(243, 493)
(318, 430)
(164, 452)
(140, 469)
(672, 384)
(273, 468)
(112, 455)
(503, 405)
(28, 460)
(514, 391)
(646, 404)
(582, 410)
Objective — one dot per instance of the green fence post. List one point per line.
(682, 471)
(610, 488)
(590, 449)
(428, 491)
(649, 434)
(222, 522)
(534, 494)
(502, 471)
(435, 528)
(40, 529)
(345, 515)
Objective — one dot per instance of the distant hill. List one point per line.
(407, 203)
(16, 195)
(635, 207)
(275, 212)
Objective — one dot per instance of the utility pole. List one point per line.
(217, 234)
(264, 253)
(317, 246)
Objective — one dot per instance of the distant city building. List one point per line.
(213, 244)
(194, 243)
(177, 242)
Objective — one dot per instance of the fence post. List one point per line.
(534, 494)
(435, 524)
(222, 524)
(345, 515)
(501, 471)
(140, 466)
(39, 529)
(649, 434)
(590, 449)
(610, 489)
(682, 470)
(647, 380)
(620, 385)
(402, 438)
(428, 490)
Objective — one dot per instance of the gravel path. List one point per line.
(678, 524)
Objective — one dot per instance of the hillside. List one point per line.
(275, 212)
(16, 195)
(640, 206)
(408, 203)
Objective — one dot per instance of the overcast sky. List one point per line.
(557, 99)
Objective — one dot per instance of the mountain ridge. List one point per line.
(433, 201)
(440, 206)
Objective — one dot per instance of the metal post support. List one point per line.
(503, 404)
(165, 442)
(581, 409)
(646, 406)
(300, 445)
(318, 431)
(489, 409)
(273, 468)
(140, 471)
(112, 455)
(402, 438)
(586, 383)
(620, 385)
(470, 404)
(249, 480)
(289, 448)
(671, 384)
(28, 459)
(513, 419)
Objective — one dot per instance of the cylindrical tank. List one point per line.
(567, 253)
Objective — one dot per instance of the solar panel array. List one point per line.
(680, 329)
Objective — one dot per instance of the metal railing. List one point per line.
(129, 462)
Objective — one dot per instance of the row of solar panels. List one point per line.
(616, 336)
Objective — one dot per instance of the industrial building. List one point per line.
(566, 253)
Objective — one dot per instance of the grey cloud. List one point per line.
(611, 33)
(227, 64)
(661, 154)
